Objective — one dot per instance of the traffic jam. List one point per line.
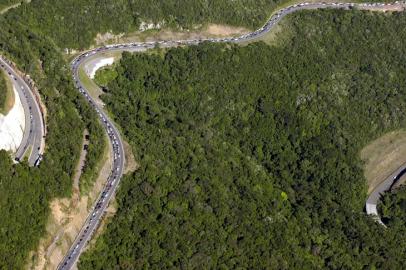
(102, 201)
(112, 181)
(28, 100)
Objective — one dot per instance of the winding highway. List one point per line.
(371, 206)
(33, 141)
(113, 180)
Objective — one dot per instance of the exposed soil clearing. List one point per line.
(220, 30)
(66, 220)
(210, 31)
(130, 164)
(383, 8)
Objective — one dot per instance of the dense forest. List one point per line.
(393, 207)
(25, 192)
(250, 155)
(75, 23)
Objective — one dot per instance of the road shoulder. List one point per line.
(66, 220)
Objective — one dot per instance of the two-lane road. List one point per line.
(33, 137)
(371, 206)
(112, 181)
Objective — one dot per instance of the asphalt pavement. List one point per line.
(384, 186)
(113, 180)
(32, 143)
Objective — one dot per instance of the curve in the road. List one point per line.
(33, 137)
(113, 180)
(371, 205)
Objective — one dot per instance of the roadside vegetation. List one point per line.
(393, 207)
(6, 94)
(25, 192)
(96, 149)
(75, 24)
(3, 89)
(104, 76)
(6, 3)
(250, 156)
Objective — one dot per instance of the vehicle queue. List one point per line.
(116, 173)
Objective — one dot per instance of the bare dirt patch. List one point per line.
(209, 31)
(384, 156)
(224, 30)
(108, 37)
(130, 164)
(66, 220)
(384, 8)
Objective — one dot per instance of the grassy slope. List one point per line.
(383, 156)
(7, 94)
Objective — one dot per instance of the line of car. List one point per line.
(27, 97)
(275, 18)
(118, 152)
(102, 201)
